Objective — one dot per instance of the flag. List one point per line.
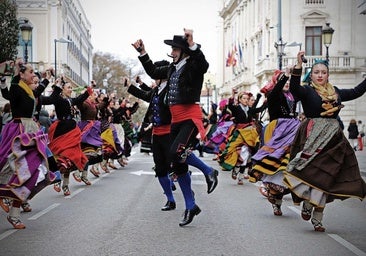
(240, 54)
(233, 56)
(228, 60)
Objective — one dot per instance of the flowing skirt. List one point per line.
(65, 143)
(323, 164)
(24, 166)
(242, 136)
(91, 140)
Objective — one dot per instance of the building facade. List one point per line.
(259, 36)
(60, 38)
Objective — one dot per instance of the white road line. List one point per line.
(74, 193)
(348, 245)
(339, 239)
(36, 216)
(8, 233)
(43, 212)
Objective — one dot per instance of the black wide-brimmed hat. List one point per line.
(178, 41)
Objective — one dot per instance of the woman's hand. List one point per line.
(126, 81)
(299, 59)
(288, 70)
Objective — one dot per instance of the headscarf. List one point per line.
(326, 92)
(222, 103)
(306, 78)
(269, 86)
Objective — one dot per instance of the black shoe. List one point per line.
(211, 180)
(189, 215)
(168, 206)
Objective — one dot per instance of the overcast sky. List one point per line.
(118, 23)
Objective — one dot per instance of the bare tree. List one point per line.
(108, 73)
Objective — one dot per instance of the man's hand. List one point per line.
(188, 33)
(139, 46)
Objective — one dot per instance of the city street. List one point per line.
(119, 214)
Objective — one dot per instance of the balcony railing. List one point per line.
(313, 2)
(335, 62)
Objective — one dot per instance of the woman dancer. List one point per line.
(244, 139)
(23, 148)
(323, 164)
(64, 134)
(272, 158)
(91, 141)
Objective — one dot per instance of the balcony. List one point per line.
(336, 63)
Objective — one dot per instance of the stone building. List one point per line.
(259, 36)
(60, 38)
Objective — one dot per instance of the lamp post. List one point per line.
(61, 40)
(280, 47)
(327, 33)
(208, 87)
(26, 32)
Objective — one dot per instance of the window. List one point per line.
(313, 40)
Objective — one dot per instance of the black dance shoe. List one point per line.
(211, 180)
(168, 206)
(189, 215)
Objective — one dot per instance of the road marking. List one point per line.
(8, 233)
(43, 212)
(142, 172)
(337, 238)
(348, 245)
(74, 193)
(36, 216)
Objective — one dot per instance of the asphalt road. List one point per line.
(119, 214)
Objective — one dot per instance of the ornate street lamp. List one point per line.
(61, 40)
(26, 32)
(327, 33)
(280, 47)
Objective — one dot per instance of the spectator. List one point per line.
(361, 134)
(353, 134)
